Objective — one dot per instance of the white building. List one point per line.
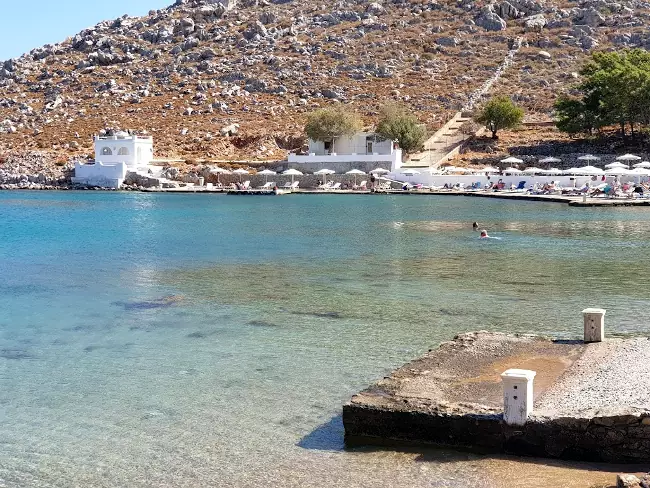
(364, 150)
(115, 156)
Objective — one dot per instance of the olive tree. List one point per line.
(327, 124)
(396, 123)
(499, 113)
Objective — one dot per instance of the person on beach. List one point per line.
(475, 226)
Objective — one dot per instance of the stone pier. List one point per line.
(591, 400)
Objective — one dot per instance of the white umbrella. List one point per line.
(379, 171)
(355, 172)
(550, 159)
(293, 173)
(553, 171)
(324, 172)
(240, 172)
(588, 157)
(628, 157)
(533, 170)
(489, 169)
(592, 170)
(571, 171)
(640, 172)
(216, 170)
(616, 164)
(512, 170)
(642, 164)
(512, 160)
(617, 171)
(266, 173)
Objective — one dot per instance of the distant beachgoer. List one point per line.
(475, 226)
(484, 234)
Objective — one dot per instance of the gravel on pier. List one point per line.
(610, 376)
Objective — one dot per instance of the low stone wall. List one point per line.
(623, 438)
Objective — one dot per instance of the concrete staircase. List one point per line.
(446, 143)
(438, 146)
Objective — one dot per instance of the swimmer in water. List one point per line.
(484, 234)
(475, 226)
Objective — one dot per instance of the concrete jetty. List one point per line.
(591, 401)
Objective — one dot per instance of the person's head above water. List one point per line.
(475, 226)
(484, 233)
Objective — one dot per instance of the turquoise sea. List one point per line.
(210, 340)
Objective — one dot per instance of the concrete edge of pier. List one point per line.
(590, 401)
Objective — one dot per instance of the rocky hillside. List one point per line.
(185, 72)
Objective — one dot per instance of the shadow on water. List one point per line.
(326, 437)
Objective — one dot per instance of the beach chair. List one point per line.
(246, 185)
(325, 186)
(336, 186)
(266, 186)
(287, 185)
(360, 186)
(294, 185)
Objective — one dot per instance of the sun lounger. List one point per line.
(266, 186)
(246, 185)
(360, 186)
(336, 186)
(287, 185)
(294, 185)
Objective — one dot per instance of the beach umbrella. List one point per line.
(550, 159)
(628, 157)
(512, 170)
(489, 169)
(616, 164)
(267, 173)
(512, 160)
(379, 171)
(533, 170)
(588, 157)
(293, 173)
(324, 172)
(642, 164)
(617, 171)
(590, 170)
(355, 172)
(216, 170)
(553, 171)
(639, 172)
(240, 172)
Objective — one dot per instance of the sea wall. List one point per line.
(623, 438)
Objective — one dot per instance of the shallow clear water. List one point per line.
(282, 308)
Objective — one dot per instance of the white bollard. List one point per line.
(594, 324)
(517, 395)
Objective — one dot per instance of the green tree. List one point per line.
(499, 113)
(329, 123)
(575, 116)
(615, 90)
(396, 123)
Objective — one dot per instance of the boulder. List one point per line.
(627, 481)
(489, 20)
